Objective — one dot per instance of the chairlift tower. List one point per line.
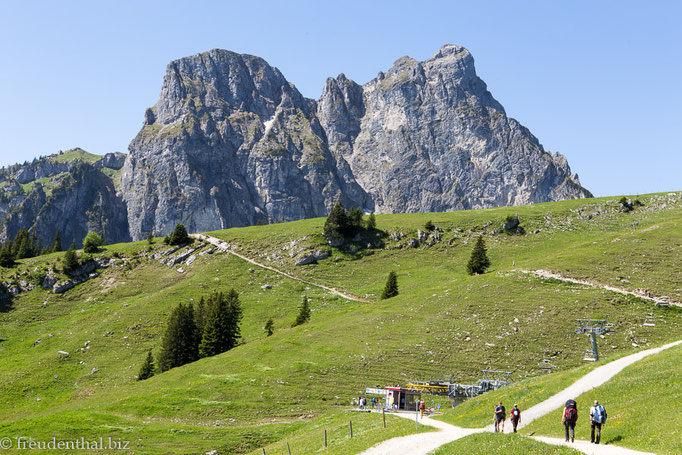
(593, 327)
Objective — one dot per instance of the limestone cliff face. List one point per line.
(230, 143)
(428, 136)
(83, 200)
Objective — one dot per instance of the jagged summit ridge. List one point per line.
(231, 142)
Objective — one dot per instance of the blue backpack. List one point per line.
(599, 414)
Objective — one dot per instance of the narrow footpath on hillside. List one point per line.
(224, 246)
(557, 276)
(424, 443)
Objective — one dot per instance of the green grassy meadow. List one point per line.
(291, 386)
(487, 443)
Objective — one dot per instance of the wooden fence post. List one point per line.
(325, 438)
(351, 429)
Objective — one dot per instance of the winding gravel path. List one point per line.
(424, 443)
(224, 246)
(556, 276)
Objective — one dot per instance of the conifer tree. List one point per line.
(303, 313)
(70, 259)
(6, 255)
(214, 338)
(391, 288)
(269, 327)
(371, 222)
(150, 238)
(179, 235)
(147, 368)
(179, 343)
(234, 318)
(479, 261)
(57, 242)
(355, 220)
(337, 222)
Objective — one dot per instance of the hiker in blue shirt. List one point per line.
(597, 418)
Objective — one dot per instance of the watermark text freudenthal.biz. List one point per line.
(21, 443)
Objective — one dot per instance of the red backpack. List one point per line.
(572, 414)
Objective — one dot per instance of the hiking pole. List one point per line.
(351, 429)
(288, 448)
(325, 438)
(416, 416)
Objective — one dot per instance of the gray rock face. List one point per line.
(428, 136)
(85, 200)
(231, 143)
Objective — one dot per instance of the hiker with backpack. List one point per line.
(569, 418)
(597, 418)
(500, 417)
(515, 416)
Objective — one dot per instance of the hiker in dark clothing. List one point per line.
(515, 416)
(500, 417)
(597, 418)
(569, 418)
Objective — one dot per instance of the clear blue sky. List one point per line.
(600, 82)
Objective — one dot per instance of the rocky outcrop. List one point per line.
(84, 200)
(231, 142)
(428, 136)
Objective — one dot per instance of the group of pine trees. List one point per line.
(211, 329)
(343, 224)
(26, 245)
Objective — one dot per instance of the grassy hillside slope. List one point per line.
(271, 390)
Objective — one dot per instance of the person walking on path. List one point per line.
(422, 406)
(515, 416)
(500, 417)
(597, 418)
(569, 418)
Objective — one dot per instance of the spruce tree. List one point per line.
(337, 222)
(150, 238)
(391, 288)
(180, 340)
(269, 327)
(147, 368)
(371, 222)
(303, 313)
(479, 261)
(57, 242)
(179, 235)
(70, 260)
(234, 318)
(355, 220)
(6, 255)
(214, 339)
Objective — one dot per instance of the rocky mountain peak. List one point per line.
(231, 142)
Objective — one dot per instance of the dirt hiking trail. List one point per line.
(557, 276)
(224, 246)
